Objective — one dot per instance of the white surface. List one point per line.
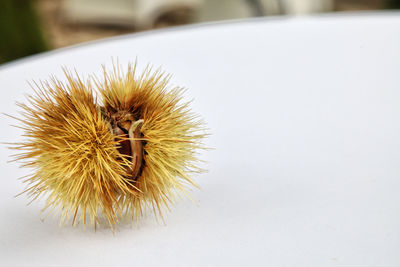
(305, 118)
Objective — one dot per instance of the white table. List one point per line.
(305, 117)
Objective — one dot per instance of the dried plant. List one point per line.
(133, 148)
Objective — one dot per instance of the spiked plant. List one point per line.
(111, 157)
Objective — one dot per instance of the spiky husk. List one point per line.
(74, 155)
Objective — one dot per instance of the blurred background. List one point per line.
(32, 26)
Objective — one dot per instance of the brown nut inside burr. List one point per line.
(123, 124)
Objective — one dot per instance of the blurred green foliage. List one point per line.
(395, 4)
(20, 33)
